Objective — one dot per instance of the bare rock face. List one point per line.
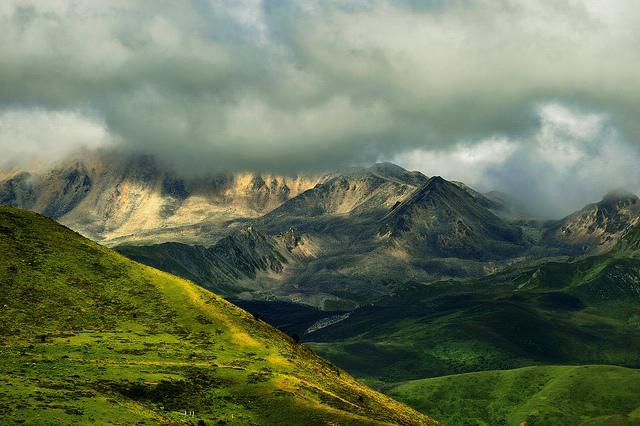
(446, 220)
(117, 198)
(356, 192)
(597, 227)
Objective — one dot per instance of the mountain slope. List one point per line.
(431, 229)
(445, 220)
(361, 191)
(88, 336)
(118, 197)
(545, 395)
(581, 311)
(611, 276)
(597, 227)
(228, 267)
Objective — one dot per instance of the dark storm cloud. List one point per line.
(286, 85)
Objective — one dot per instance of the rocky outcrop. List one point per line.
(597, 227)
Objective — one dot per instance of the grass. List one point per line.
(541, 395)
(432, 337)
(88, 336)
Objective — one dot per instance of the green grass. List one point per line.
(87, 336)
(543, 395)
(434, 336)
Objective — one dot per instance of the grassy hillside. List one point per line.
(87, 336)
(452, 331)
(550, 395)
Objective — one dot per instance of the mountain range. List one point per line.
(116, 197)
(426, 289)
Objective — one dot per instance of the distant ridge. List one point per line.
(597, 227)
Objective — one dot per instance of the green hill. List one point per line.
(549, 395)
(88, 336)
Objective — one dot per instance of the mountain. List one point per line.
(359, 235)
(88, 336)
(443, 219)
(305, 238)
(357, 192)
(230, 266)
(117, 198)
(597, 227)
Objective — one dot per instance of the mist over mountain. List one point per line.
(535, 100)
(333, 240)
(115, 196)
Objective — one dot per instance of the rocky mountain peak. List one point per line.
(119, 197)
(443, 219)
(598, 226)
(619, 199)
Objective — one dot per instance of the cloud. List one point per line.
(32, 137)
(466, 163)
(287, 85)
(573, 158)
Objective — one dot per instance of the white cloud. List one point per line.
(290, 84)
(573, 158)
(37, 136)
(464, 162)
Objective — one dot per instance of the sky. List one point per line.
(536, 99)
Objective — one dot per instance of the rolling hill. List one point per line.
(586, 395)
(88, 336)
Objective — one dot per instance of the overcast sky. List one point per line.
(537, 98)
